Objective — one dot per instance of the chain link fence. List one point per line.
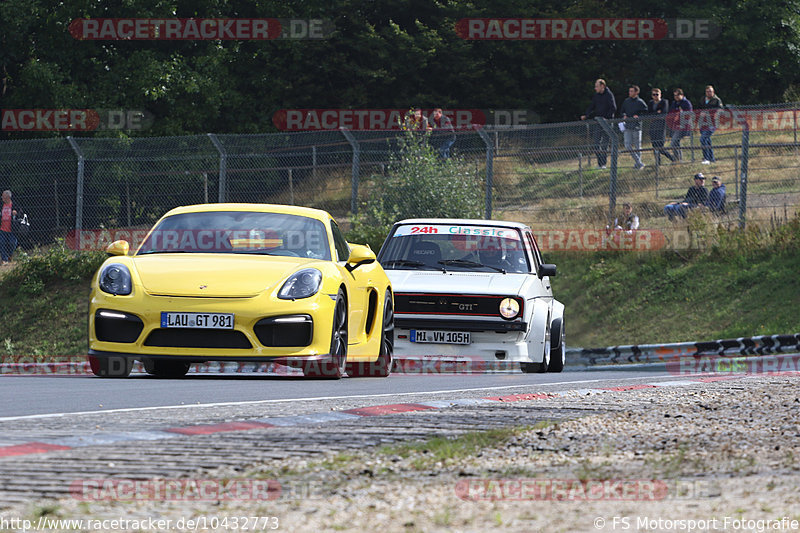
(546, 175)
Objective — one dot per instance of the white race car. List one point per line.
(475, 289)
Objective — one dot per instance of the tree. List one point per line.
(417, 184)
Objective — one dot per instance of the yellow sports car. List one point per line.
(242, 282)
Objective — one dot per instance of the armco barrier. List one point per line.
(632, 353)
(660, 353)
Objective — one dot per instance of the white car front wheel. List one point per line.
(558, 351)
(539, 368)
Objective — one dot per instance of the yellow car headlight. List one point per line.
(301, 284)
(115, 279)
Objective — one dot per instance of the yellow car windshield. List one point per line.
(239, 232)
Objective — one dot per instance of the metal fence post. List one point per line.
(291, 188)
(314, 162)
(223, 168)
(489, 171)
(55, 202)
(355, 169)
(736, 169)
(743, 174)
(79, 191)
(612, 180)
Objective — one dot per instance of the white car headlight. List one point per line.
(302, 284)
(509, 308)
(115, 279)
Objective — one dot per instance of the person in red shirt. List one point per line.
(8, 241)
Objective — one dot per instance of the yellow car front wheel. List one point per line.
(334, 367)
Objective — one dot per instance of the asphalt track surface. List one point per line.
(31, 395)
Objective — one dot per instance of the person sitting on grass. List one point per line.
(697, 195)
(716, 197)
(627, 220)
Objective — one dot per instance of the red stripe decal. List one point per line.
(519, 397)
(377, 410)
(29, 448)
(208, 429)
(630, 387)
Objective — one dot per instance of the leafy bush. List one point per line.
(418, 184)
(34, 272)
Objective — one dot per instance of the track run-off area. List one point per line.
(60, 434)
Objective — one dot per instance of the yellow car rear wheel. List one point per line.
(382, 367)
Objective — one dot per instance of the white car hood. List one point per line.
(429, 281)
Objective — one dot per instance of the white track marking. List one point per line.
(318, 398)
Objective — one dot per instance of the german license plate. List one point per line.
(197, 320)
(440, 337)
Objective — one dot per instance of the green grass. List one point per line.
(52, 323)
(45, 303)
(635, 298)
(446, 450)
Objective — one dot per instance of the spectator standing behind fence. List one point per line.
(603, 105)
(632, 107)
(416, 121)
(444, 135)
(8, 215)
(696, 195)
(680, 128)
(716, 197)
(711, 101)
(658, 109)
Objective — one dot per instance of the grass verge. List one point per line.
(744, 285)
(45, 302)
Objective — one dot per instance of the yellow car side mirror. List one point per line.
(118, 248)
(359, 255)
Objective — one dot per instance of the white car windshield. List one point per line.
(457, 247)
(239, 232)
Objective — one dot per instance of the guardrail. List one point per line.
(761, 345)
(661, 353)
